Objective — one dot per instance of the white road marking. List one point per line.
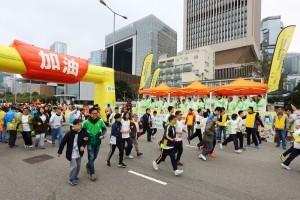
(191, 146)
(147, 177)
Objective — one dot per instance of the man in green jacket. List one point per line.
(261, 105)
(96, 131)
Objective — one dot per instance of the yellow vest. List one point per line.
(280, 123)
(250, 119)
(223, 122)
(190, 120)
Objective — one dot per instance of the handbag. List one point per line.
(113, 140)
(11, 126)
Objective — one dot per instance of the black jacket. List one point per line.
(69, 140)
(43, 128)
(145, 121)
(169, 136)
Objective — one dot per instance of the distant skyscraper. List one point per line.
(292, 63)
(96, 57)
(230, 27)
(59, 47)
(270, 29)
(135, 41)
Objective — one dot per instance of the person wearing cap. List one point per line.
(261, 105)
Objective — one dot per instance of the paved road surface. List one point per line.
(254, 174)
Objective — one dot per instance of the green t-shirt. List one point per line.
(94, 131)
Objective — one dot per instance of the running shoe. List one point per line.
(285, 166)
(221, 146)
(122, 165)
(212, 155)
(178, 172)
(72, 182)
(282, 157)
(202, 157)
(155, 165)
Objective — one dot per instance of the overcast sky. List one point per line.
(83, 24)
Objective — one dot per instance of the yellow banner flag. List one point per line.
(154, 78)
(146, 70)
(282, 45)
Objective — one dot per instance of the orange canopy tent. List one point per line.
(241, 87)
(196, 88)
(162, 90)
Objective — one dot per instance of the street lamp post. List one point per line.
(124, 17)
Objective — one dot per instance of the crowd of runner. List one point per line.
(88, 129)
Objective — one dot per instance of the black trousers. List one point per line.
(190, 130)
(164, 154)
(258, 137)
(232, 137)
(251, 132)
(12, 138)
(153, 131)
(178, 149)
(128, 148)
(197, 134)
(241, 139)
(112, 151)
(287, 152)
(148, 133)
(27, 138)
(107, 117)
(293, 155)
(213, 147)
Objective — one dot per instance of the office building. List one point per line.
(292, 63)
(270, 29)
(59, 47)
(230, 27)
(96, 57)
(198, 64)
(291, 82)
(135, 41)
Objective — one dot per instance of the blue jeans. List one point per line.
(3, 135)
(222, 129)
(55, 133)
(93, 151)
(280, 134)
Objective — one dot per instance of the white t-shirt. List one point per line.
(296, 144)
(203, 124)
(43, 118)
(25, 123)
(154, 120)
(233, 126)
(166, 119)
(137, 126)
(179, 128)
(198, 119)
(125, 127)
(75, 152)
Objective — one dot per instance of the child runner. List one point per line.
(234, 126)
(208, 137)
(116, 141)
(154, 127)
(134, 129)
(111, 119)
(198, 133)
(76, 140)
(125, 135)
(239, 133)
(179, 131)
(216, 113)
(167, 146)
(294, 151)
(166, 122)
(203, 124)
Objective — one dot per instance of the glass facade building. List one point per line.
(135, 41)
(59, 47)
(270, 29)
(96, 57)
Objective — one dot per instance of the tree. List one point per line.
(121, 88)
(262, 68)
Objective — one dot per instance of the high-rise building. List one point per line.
(59, 47)
(270, 29)
(230, 27)
(96, 57)
(135, 41)
(292, 63)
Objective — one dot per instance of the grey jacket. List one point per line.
(209, 131)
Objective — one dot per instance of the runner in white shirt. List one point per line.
(154, 126)
(178, 141)
(126, 136)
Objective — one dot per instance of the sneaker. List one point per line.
(221, 146)
(30, 147)
(155, 165)
(72, 182)
(108, 163)
(93, 177)
(286, 167)
(247, 145)
(282, 157)
(25, 146)
(139, 154)
(257, 147)
(130, 156)
(202, 157)
(158, 144)
(212, 155)
(179, 163)
(178, 172)
(76, 178)
(87, 170)
(237, 151)
(122, 165)
(277, 146)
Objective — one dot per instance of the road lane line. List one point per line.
(147, 177)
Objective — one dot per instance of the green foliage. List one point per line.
(25, 98)
(262, 69)
(120, 88)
